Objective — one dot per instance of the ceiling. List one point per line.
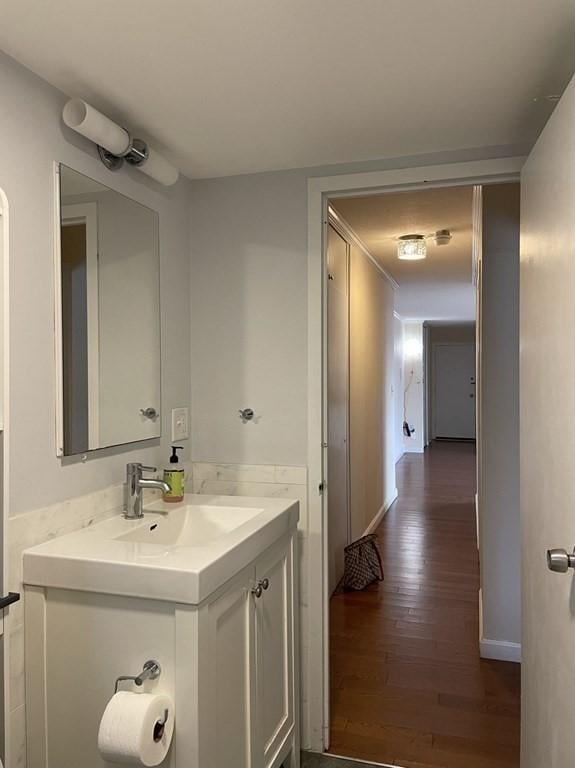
(232, 87)
(440, 286)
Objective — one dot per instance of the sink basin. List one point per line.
(176, 552)
(192, 526)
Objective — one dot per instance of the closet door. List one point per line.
(337, 402)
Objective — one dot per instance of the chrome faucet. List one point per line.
(135, 485)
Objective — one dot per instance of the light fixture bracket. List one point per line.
(136, 154)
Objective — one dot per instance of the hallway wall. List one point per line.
(398, 384)
(412, 393)
(498, 489)
(372, 416)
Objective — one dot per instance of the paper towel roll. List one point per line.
(131, 728)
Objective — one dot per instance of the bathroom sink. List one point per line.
(192, 526)
(176, 552)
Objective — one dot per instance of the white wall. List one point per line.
(413, 386)
(398, 385)
(428, 301)
(499, 428)
(32, 137)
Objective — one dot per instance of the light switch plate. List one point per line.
(180, 428)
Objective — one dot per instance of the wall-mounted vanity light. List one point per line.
(115, 144)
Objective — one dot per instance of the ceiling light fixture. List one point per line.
(411, 247)
(115, 144)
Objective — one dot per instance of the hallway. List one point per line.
(407, 684)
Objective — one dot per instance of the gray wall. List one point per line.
(32, 137)
(499, 428)
(249, 318)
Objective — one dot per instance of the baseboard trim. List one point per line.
(500, 650)
(381, 513)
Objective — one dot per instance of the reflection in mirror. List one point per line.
(110, 309)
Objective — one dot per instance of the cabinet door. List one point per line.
(227, 678)
(275, 650)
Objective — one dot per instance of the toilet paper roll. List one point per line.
(136, 728)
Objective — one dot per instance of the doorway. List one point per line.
(316, 713)
(415, 608)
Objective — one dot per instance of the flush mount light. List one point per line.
(411, 247)
(115, 144)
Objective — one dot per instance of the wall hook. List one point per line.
(246, 414)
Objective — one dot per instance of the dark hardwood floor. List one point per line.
(408, 686)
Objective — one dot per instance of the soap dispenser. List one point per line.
(174, 476)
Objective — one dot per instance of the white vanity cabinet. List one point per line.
(229, 663)
(247, 687)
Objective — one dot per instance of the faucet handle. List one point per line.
(136, 468)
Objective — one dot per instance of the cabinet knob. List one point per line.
(258, 589)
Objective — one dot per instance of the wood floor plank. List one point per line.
(408, 685)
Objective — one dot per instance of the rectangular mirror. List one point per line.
(108, 275)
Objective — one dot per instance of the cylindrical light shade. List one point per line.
(95, 126)
(159, 169)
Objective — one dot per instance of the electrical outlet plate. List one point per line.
(180, 428)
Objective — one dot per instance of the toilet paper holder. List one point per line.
(150, 671)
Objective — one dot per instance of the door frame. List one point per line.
(316, 640)
(5, 461)
(87, 214)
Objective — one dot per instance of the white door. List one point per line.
(337, 402)
(547, 428)
(454, 390)
(275, 650)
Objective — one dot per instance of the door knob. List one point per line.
(559, 560)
